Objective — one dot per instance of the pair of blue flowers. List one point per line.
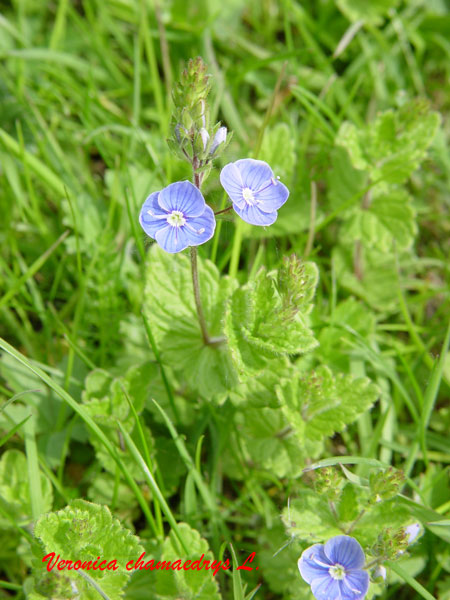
(178, 216)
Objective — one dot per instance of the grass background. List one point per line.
(84, 115)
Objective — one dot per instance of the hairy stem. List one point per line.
(355, 522)
(207, 340)
(198, 300)
(224, 210)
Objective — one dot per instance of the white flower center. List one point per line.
(249, 196)
(337, 572)
(176, 219)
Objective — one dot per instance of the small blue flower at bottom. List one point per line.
(177, 217)
(254, 190)
(335, 570)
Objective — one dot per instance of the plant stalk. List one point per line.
(198, 300)
(207, 340)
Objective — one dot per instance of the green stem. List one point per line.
(207, 340)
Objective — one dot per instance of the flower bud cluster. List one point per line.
(385, 484)
(193, 137)
(328, 482)
(391, 543)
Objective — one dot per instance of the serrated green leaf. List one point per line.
(15, 497)
(309, 518)
(389, 217)
(392, 147)
(182, 584)
(84, 531)
(268, 317)
(271, 443)
(389, 514)
(346, 181)
(326, 402)
(170, 309)
(278, 150)
(259, 391)
(379, 284)
(333, 349)
(105, 401)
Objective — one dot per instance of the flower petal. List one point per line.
(412, 531)
(151, 224)
(231, 181)
(346, 551)
(206, 221)
(326, 588)
(254, 216)
(355, 584)
(308, 563)
(172, 239)
(182, 196)
(254, 173)
(272, 197)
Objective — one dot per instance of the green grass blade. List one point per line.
(79, 409)
(410, 580)
(153, 485)
(186, 457)
(34, 474)
(32, 270)
(432, 392)
(12, 431)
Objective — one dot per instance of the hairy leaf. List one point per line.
(170, 309)
(84, 531)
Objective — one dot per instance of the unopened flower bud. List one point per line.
(219, 138)
(205, 137)
(379, 574)
(412, 531)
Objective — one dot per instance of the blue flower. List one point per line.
(334, 570)
(177, 217)
(255, 192)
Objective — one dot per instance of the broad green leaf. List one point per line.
(346, 182)
(379, 283)
(310, 408)
(271, 443)
(167, 584)
(334, 350)
(392, 147)
(15, 498)
(259, 391)
(106, 402)
(170, 309)
(278, 150)
(309, 517)
(323, 403)
(268, 317)
(389, 217)
(83, 531)
(105, 490)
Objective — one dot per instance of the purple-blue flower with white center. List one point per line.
(254, 190)
(177, 217)
(335, 570)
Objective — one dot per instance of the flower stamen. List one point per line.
(176, 219)
(197, 231)
(152, 214)
(337, 572)
(249, 196)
